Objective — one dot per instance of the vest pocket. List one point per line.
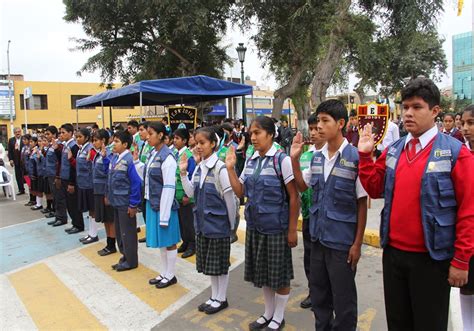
(444, 231)
(272, 191)
(447, 197)
(340, 228)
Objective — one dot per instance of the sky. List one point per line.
(41, 44)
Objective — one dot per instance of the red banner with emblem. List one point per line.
(377, 115)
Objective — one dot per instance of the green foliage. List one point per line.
(141, 39)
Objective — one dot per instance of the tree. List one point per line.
(141, 39)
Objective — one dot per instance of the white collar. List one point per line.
(67, 143)
(271, 152)
(182, 150)
(85, 145)
(122, 155)
(325, 150)
(210, 162)
(425, 138)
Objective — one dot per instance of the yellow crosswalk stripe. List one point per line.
(136, 280)
(51, 305)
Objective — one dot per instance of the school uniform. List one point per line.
(43, 175)
(124, 191)
(267, 254)
(100, 169)
(67, 175)
(185, 212)
(32, 169)
(25, 157)
(426, 224)
(144, 152)
(85, 190)
(53, 165)
(455, 133)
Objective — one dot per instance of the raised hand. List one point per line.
(297, 146)
(135, 153)
(183, 163)
(366, 139)
(241, 145)
(103, 151)
(196, 156)
(55, 144)
(230, 158)
(69, 154)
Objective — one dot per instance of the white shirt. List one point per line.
(425, 138)
(18, 143)
(392, 135)
(121, 156)
(181, 151)
(66, 145)
(329, 164)
(84, 146)
(286, 168)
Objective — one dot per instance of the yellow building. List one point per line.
(53, 103)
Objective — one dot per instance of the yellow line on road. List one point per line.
(136, 280)
(51, 305)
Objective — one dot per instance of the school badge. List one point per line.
(377, 114)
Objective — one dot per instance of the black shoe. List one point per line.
(202, 307)
(36, 208)
(46, 210)
(50, 215)
(69, 229)
(139, 230)
(52, 222)
(306, 303)
(189, 252)
(84, 238)
(30, 203)
(233, 239)
(182, 248)
(169, 282)
(115, 266)
(155, 281)
(90, 240)
(257, 326)
(106, 251)
(59, 223)
(281, 325)
(142, 240)
(212, 310)
(121, 268)
(21, 193)
(74, 230)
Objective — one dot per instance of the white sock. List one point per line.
(223, 281)
(280, 305)
(214, 289)
(39, 201)
(269, 298)
(467, 311)
(92, 227)
(171, 267)
(164, 261)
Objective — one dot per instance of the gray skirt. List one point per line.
(212, 255)
(268, 259)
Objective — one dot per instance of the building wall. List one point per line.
(463, 65)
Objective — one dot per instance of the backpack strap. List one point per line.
(277, 161)
(216, 170)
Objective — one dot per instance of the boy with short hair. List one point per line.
(317, 144)
(338, 216)
(124, 195)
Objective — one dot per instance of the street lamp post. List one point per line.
(10, 88)
(241, 49)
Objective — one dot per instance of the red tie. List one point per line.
(412, 148)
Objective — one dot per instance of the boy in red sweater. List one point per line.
(427, 223)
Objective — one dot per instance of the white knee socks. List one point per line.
(280, 305)
(223, 281)
(269, 297)
(39, 201)
(164, 261)
(214, 289)
(171, 265)
(92, 227)
(467, 311)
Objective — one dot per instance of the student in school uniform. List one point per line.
(24, 157)
(67, 179)
(214, 216)
(162, 231)
(104, 212)
(271, 213)
(426, 227)
(34, 171)
(338, 215)
(317, 144)
(85, 191)
(53, 155)
(186, 204)
(48, 211)
(450, 128)
(124, 194)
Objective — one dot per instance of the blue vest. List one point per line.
(51, 162)
(99, 173)
(40, 164)
(266, 209)
(438, 199)
(84, 168)
(65, 165)
(155, 178)
(333, 212)
(25, 157)
(118, 181)
(33, 165)
(210, 212)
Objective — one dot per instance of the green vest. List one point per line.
(305, 162)
(145, 153)
(179, 185)
(222, 153)
(251, 150)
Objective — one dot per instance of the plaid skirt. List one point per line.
(212, 255)
(268, 259)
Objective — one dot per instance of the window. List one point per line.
(74, 99)
(37, 101)
(122, 107)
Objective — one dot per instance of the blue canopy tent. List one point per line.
(168, 91)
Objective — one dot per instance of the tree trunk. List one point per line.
(303, 110)
(359, 90)
(286, 91)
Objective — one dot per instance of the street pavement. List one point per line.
(48, 280)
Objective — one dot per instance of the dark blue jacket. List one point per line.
(124, 184)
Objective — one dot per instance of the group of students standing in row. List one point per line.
(427, 223)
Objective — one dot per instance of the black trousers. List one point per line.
(53, 190)
(416, 291)
(332, 289)
(19, 179)
(72, 206)
(186, 225)
(306, 249)
(126, 234)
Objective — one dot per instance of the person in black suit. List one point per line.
(15, 145)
